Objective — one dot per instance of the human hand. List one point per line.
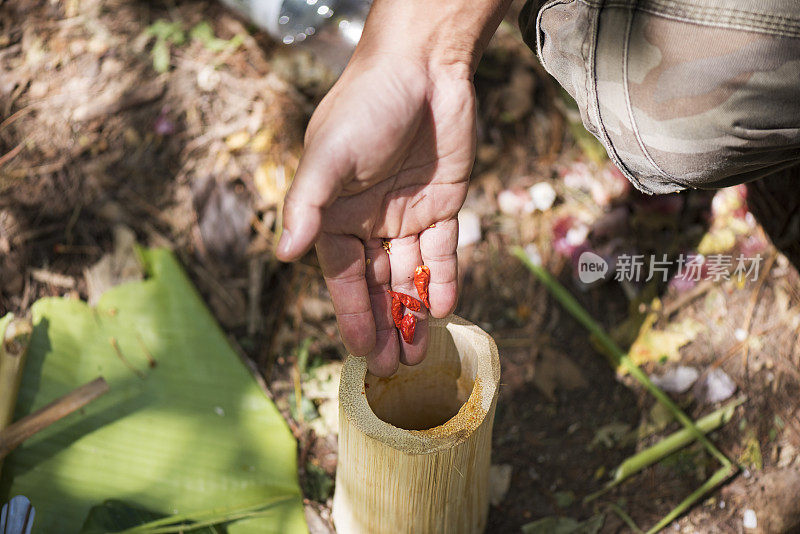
(387, 157)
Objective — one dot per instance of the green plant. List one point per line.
(619, 359)
(166, 34)
(205, 34)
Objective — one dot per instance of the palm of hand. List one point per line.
(388, 156)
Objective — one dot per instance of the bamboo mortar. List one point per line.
(415, 448)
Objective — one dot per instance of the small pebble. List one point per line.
(514, 202)
(208, 78)
(219, 411)
(532, 251)
(163, 125)
(677, 380)
(499, 482)
(469, 228)
(749, 519)
(715, 387)
(740, 334)
(543, 195)
(577, 235)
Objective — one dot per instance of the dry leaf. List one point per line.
(238, 140)
(657, 345)
(499, 482)
(555, 370)
(271, 182)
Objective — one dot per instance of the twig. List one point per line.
(11, 153)
(125, 360)
(15, 434)
(737, 347)
(699, 290)
(14, 116)
(55, 279)
(22, 237)
(150, 360)
(752, 308)
(14, 341)
(628, 520)
(254, 287)
(716, 479)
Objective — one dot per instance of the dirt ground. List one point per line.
(96, 132)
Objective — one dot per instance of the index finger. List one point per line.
(343, 266)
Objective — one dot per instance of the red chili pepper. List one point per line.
(407, 326)
(397, 309)
(408, 301)
(422, 277)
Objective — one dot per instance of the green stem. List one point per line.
(628, 520)
(716, 479)
(619, 357)
(204, 518)
(667, 446)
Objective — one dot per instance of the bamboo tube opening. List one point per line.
(415, 448)
(425, 395)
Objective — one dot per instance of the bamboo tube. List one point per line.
(415, 448)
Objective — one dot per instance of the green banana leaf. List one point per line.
(116, 516)
(183, 429)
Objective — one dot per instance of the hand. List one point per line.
(388, 154)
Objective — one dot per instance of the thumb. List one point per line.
(316, 185)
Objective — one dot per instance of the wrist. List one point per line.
(448, 37)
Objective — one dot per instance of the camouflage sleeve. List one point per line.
(682, 93)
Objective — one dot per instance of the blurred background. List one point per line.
(180, 125)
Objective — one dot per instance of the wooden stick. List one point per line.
(15, 434)
(415, 448)
(13, 351)
(14, 343)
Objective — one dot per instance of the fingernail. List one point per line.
(285, 244)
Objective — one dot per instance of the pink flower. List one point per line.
(568, 234)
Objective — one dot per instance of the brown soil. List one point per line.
(197, 158)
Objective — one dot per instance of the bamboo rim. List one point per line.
(467, 337)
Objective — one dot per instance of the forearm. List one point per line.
(450, 34)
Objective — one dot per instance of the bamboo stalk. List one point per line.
(619, 357)
(719, 476)
(415, 448)
(673, 442)
(14, 341)
(13, 435)
(667, 446)
(628, 520)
